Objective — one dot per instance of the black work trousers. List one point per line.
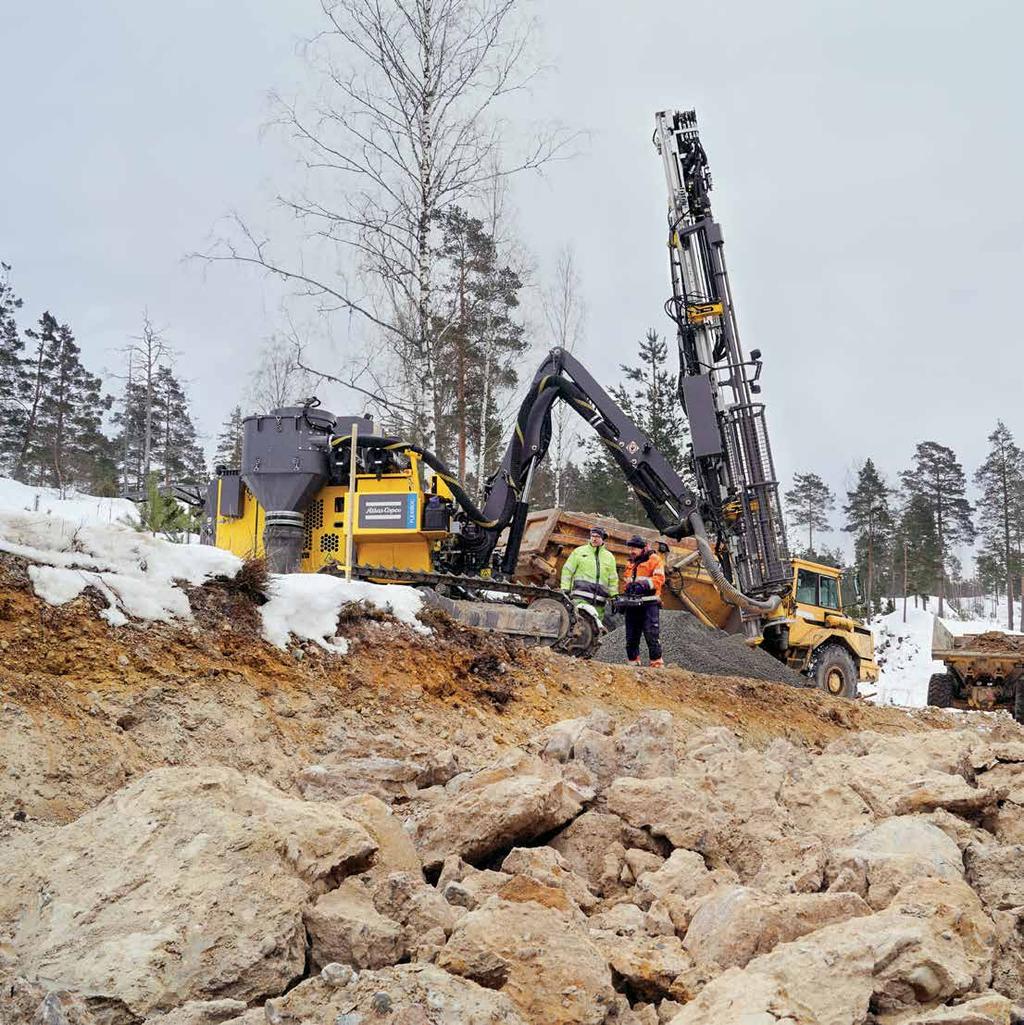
(643, 621)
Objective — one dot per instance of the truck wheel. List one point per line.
(834, 671)
(941, 690)
(1018, 700)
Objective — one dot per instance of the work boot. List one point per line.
(633, 661)
(657, 663)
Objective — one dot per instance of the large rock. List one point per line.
(200, 1012)
(880, 862)
(865, 777)
(669, 808)
(595, 845)
(986, 1009)
(188, 884)
(541, 959)
(684, 875)
(997, 873)
(1008, 963)
(735, 924)
(395, 850)
(405, 898)
(408, 994)
(494, 810)
(547, 866)
(793, 864)
(344, 926)
(651, 968)
(646, 748)
(933, 943)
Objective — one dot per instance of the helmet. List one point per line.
(636, 541)
(595, 529)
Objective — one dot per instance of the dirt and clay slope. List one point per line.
(199, 827)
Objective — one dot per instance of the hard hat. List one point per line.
(636, 541)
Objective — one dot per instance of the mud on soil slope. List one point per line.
(85, 708)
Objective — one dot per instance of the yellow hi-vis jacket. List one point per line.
(590, 575)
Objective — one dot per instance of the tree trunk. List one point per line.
(30, 425)
(904, 581)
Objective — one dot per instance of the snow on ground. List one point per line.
(137, 574)
(903, 650)
(76, 542)
(72, 505)
(306, 606)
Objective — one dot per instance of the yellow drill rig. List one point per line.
(305, 474)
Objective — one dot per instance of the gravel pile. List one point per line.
(701, 649)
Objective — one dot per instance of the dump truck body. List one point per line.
(983, 671)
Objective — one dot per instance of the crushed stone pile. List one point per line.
(700, 649)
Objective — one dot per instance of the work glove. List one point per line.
(634, 589)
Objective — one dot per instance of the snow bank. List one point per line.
(306, 606)
(904, 651)
(136, 573)
(72, 506)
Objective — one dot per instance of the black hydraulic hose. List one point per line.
(457, 490)
(732, 594)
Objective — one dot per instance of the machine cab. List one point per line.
(817, 589)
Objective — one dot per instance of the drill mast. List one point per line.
(717, 382)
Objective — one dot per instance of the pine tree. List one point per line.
(229, 441)
(809, 500)
(176, 451)
(649, 398)
(1001, 479)
(647, 395)
(61, 441)
(67, 446)
(869, 518)
(14, 382)
(42, 340)
(478, 341)
(937, 478)
(918, 540)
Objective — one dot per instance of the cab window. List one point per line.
(828, 592)
(807, 587)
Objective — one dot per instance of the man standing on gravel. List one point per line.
(590, 574)
(645, 576)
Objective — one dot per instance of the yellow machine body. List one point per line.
(388, 518)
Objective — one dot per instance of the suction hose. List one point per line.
(732, 594)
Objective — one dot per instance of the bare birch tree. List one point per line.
(407, 124)
(146, 354)
(564, 314)
(278, 380)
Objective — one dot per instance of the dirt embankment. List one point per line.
(86, 707)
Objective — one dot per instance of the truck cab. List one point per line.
(813, 634)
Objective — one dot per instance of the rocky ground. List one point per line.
(198, 828)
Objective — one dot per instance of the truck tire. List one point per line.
(1018, 700)
(834, 671)
(941, 690)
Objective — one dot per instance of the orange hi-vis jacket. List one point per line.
(648, 571)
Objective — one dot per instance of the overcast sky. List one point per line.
(867, 157)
